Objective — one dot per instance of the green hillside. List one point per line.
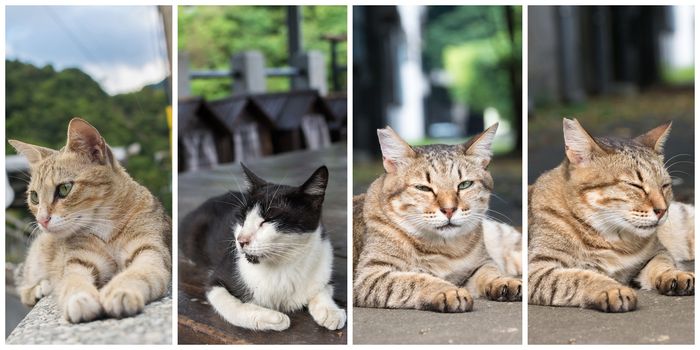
(41, 100)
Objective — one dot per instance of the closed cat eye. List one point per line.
(423, 188)
(465, 184)
(34, 197)
(634, 185)
(63, 189)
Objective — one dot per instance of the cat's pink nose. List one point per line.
(244, 241)
(448, 212)
(659, 212)
(44, 221)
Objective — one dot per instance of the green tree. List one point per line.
(211, 34)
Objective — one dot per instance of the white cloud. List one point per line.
(120, 47)
(122, 78)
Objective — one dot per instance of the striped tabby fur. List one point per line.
(598, 224)
(104, 246)
(419, 231)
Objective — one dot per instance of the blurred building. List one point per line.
(388, 82)
(578, 51)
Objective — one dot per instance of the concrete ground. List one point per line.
(658, 320)
(489, 323)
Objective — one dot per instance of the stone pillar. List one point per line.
(248, 72)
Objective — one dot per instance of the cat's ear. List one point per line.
(84, 139)
(579, 144)
(395, 151)
(33, 153)
(254, 181)
(316, 184)
(480, 145)
(655, 138)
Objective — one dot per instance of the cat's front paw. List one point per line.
(616, 299)
(82, 307)
(505, 289)
(120, 301)
(270, 320)
(330, 317)
(676, 283)
(451, 300)
(30, 295)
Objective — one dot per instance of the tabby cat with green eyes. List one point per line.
(422, 238)
(605, 220)
(104, 240)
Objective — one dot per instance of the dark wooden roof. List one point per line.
(287, 108)
(229, 109)
(339, 106)
(193, 113)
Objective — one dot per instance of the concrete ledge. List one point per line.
(45, 325)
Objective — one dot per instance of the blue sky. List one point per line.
(121, 47)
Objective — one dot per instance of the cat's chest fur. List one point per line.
(454, 268)
(623, 266)
(288, 287)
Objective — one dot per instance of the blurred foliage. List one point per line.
(41, 101)
(678, 76)
(210, 35)
(473, 45)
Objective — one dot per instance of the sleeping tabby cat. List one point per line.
(267, 253)
(104, 241)
(421, 235)
(605, 218)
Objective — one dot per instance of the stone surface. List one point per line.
(45, 325)
(489, 323)
(658, 320)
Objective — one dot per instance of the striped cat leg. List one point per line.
(488, 281)
(245, 315)
(385, 287)
(77, 293)
(145, 278)
(552, 284)
(660, 273)
(324, 310)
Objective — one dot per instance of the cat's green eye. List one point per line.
(465, 184)
(34, 197)
(424, 188)
(64, 189)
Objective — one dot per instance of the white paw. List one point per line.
(32, 294)
(43, 289)
(331, 318)
(271, 320)
(122, 302)
(82, 307)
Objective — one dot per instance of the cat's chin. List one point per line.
(253, 259)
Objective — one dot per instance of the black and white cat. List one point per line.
(282, 259)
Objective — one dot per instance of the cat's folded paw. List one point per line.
(505, 289)
(330, 317)
(676, 283)
(271, 320)
(452, 300)
(30, 295)
(82, 307)
(122, 301)
(616, 299)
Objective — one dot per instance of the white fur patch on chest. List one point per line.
(289, 286)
